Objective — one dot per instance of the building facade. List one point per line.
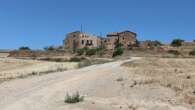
(78, 40)
(126, 38)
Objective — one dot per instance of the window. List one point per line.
(82, 42)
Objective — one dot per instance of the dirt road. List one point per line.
(99, 84)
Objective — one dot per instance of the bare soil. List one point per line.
(139, 84)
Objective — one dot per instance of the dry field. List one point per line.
(177, 75)
(3, 55)
(135, 84)
(18, 68)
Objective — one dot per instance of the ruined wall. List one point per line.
(126, 38)
(72, 40)
(110, 42)
(78, 40)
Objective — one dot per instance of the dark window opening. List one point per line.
(82, 42)
(89, 42)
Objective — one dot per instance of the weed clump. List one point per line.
(75, 98)
(192, 53)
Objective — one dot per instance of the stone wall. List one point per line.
(126, 38)
(79, 40)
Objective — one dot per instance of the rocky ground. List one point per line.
(135, 84)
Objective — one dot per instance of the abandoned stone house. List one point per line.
(126, 38)
(79, 40)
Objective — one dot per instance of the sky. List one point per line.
(42, 23)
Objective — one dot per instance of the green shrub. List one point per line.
(84, 63)
(192, 52)
(80, 51)
(117, 52)
(174, 52)
(77, 59)
(177, 42)
(24, 48)
(50, 48)
(75, 98)
(118, 45)
(120, 79)
(91, 52)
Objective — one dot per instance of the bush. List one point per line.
(75, 98)
(91, 52)
(192, 52)
(117, 52)
(118, 45)
(76, 59)
(50, 48)
(24, 48)
(174, 52)
(118, 49)
(80, 51)
(120, 79)
(177, 42)
(84, 63)
(157, 43)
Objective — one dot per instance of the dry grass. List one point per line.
(177, 74)
(2, 55)
(17, 68)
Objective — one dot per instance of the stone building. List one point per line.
(127, 38)
(79, 40)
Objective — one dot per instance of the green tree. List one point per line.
(50, 48)
(177, 42)
(157, 43)
(118, 50)
(24, 48)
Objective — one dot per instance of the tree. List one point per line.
(157, 43)
(118, 49)
(24, 48)
(177, 42)
(50, 48)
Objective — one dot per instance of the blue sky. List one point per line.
(40, 23)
